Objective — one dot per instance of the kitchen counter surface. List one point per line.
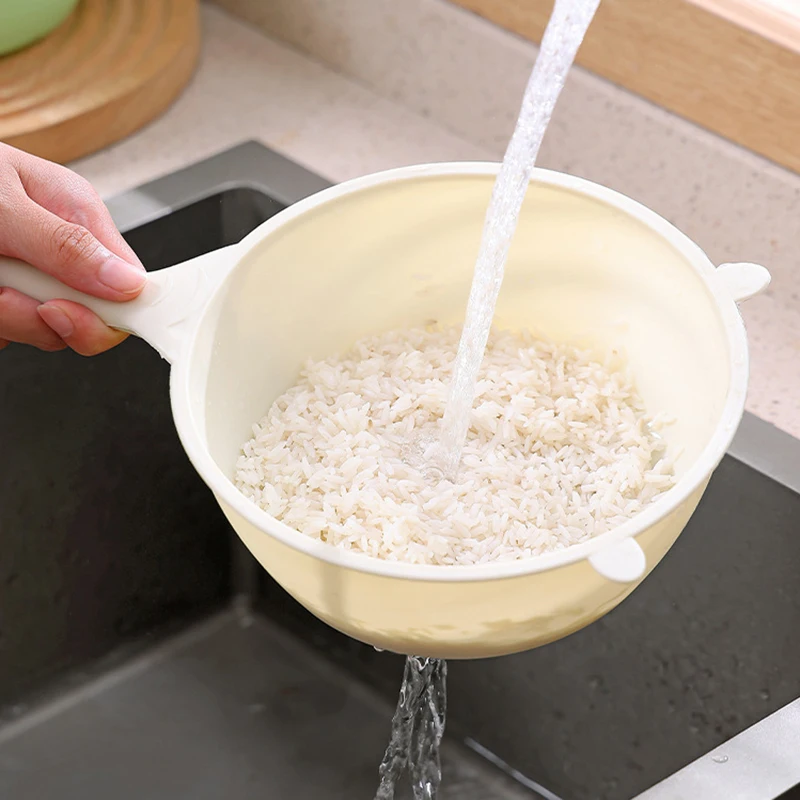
(735, 205)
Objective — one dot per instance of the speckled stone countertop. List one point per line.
(324, 113)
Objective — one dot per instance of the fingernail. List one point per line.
(56, 319)
(121, 276)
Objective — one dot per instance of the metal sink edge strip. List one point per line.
(247, 165)
(760, 763)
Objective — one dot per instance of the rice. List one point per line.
(560, 449)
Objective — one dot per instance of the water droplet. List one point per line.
(378, 649)
(256, 708)
(719, 759)
(764, 694)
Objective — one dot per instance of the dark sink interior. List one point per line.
(107, 533)
(109, 541)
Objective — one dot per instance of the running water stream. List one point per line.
(562, 38)
(419, 720)
(417, 730)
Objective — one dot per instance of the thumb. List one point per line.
(69, 252)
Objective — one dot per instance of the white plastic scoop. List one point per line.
(397, 249)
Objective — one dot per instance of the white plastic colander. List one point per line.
(397, 249)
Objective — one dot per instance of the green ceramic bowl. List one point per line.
(22, 22)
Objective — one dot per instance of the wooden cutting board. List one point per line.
(109, 69)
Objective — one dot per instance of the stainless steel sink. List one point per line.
(144, 655)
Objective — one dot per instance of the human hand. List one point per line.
(53, 219)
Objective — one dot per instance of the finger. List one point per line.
(72, 198)
(67, 251)
(81, 329)
(19, 322)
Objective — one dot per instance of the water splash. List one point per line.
(562, 38)
(417, 730)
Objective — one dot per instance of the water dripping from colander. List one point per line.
(417, 729)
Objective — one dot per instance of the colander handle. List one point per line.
(742, 280)
(623, 562)
(164, 314)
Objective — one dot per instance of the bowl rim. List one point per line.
(190, 427)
